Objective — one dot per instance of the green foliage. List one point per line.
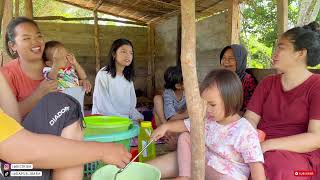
(259, 29)
(259, 54)
(54, 8)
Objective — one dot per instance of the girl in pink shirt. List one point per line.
(232, 146)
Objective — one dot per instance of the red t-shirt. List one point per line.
(22, 86)
(286, 113)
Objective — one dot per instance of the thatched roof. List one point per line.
(148, 11)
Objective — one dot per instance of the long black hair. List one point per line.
(128, 71)
(302, 38)
(10, 35)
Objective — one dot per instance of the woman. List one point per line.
(114, 90)
(234, 58)
(286, 107)
(25, 43)
(17, 145)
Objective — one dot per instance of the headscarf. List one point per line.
(240, 54)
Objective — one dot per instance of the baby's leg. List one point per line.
(184, 155)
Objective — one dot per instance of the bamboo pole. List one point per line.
(282, 16)
(194, 103)
(16, 8)
(96, 40)
(28, 9)
(85, 19)
(6, 18)
(151, 69)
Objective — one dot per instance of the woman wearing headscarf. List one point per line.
(234, 58)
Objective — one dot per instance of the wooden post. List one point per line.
(178, 55)
(28, 9)
(6, 18)
(234, 21)
(151, 69)
(96, 40)
(282, 16)
(195, 104)
(1, 14)
(16, 8)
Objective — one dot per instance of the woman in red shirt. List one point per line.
(286, 107)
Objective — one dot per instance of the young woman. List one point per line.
(114, 92)
(286, 107)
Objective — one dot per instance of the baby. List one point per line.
(63, 66)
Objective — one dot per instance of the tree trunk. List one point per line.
(308, 12)
(195, 104)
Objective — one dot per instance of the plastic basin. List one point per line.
(135, 171)
(102, 125)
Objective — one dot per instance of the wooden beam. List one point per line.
(16, 8)
(98, 5)
(164, 4)
(282, 16)
(216, 7)
(234, 22)
(28, 9)
(96, 40)
(7, 16)
(1, 14)
(195, 104)
(90, 5)
(44, 18)
(151, 68)
(163, 17)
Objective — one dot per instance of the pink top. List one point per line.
(22, 86)
(229, 148)
(286, 113)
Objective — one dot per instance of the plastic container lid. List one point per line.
(94, 121)
(132, 132)
(146, 124)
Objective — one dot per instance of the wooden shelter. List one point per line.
(154, 17)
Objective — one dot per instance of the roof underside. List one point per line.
(147, 11)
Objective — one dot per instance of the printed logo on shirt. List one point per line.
(58, 115)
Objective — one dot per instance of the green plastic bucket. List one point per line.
(135, 171)
(101, 125)
(120, 137)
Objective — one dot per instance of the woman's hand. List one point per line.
(47, 86)
(115, 154)
(86, 85)
(159, 132)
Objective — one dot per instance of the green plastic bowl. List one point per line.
(135, 171)
(101, 125)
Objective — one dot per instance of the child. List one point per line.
(114, 91)
(232, 145)
(172, 104)
(64, 67)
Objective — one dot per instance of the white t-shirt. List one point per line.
(114, 96)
